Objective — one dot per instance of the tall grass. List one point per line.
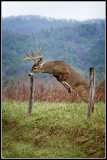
(55, 130)
(48, 90)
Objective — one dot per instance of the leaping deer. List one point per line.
(64, 73)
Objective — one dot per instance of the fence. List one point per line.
(48, 90)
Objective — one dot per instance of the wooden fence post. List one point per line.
(91, 92)
(31, 95)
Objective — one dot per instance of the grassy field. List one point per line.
(55, 130)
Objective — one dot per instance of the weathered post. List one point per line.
(31, 95)
(91, 92)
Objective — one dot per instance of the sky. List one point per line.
(79, 10)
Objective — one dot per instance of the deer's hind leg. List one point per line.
(82, 92)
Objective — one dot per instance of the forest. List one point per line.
(80, 44)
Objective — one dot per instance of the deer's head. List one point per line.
(37, 67)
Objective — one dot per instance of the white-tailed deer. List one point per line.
(64, 73)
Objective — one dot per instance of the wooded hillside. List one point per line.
(80, 44)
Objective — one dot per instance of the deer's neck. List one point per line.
(48, 67)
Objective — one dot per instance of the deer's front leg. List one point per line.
(67, 86)
(64, 83)
(61, 77)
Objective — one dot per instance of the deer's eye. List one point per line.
(35, 67)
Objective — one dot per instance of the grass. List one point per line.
(55, 130)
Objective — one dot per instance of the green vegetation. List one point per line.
(55, 130)
(80, 44)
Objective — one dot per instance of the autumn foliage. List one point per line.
(48, 90)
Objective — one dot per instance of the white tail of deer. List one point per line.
(64, 73)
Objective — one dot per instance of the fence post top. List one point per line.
(92, 69)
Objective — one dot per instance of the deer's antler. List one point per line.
(33, 58)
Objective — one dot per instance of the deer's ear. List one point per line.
(41, 64)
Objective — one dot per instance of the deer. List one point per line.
(63, 72)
